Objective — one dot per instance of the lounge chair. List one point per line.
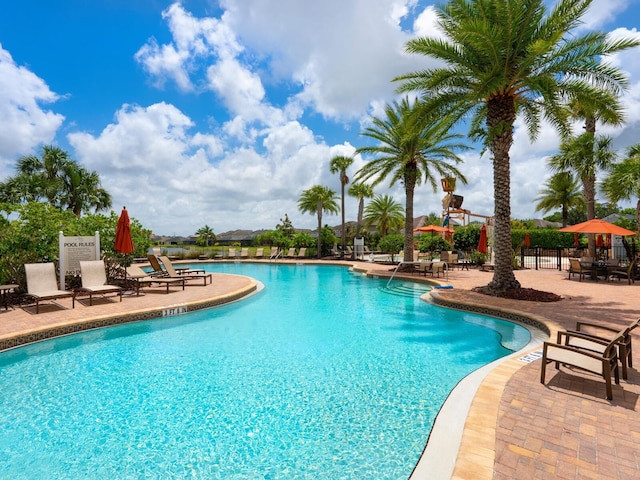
(42, 283)
(577, 268)
(291, 253)
(232, 253)
(186, 274)
(94, 281)
(244, 253)
(302, 252)
(274, 254)
(158, 271)
(606, 333)
(139, 278)
(573, 352)
(260, 252)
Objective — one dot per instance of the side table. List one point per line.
(4, 294)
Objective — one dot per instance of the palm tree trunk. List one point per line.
(344, 240)
(319, 231)
(500, 118)
(360, 215)
(409, 187)
(589, 185)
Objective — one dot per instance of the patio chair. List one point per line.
(302, 252)
(259, 252)
(437, 268)
(244, 253)
(422, 267)
(577, 268)
(94, 281)
(158, 271)
(274, 254)
(571, 352)
(186, 274)
(42, 283)
(291, 253)
(622, 271)
(232, 252)
(606, 333)
(138, 278)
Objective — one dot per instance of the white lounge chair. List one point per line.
(139, 279)
(94, 281)
(186, 274)
(42, 283)
(260, 252)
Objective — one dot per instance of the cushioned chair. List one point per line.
(94, 281)
(577, 268)
(585, 353)
(42, 283)
(606, 333)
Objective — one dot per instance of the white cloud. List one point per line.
(25, 124)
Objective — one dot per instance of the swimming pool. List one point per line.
(323, 374)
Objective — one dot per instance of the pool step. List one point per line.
(406, 289)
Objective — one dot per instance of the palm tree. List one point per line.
(585, 155)
(58, 179)
(339, 164)
(316, 200)
(205, 235)
(360, 191)
(82, 190)
(409, 149)
(561, 190)
(504, 58)
(385, 214)
(623, 181)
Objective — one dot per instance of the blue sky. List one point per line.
(222, 113)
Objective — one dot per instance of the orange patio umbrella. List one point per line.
(597, 226)
(482, 243)
(432, 229)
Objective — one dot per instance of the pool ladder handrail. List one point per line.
(275, 256)
(395, 270)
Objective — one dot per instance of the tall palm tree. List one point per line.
(585, 155)
(504, 58)
(316, 200)
(360, 191)
(385, 214)
(412, 150)
(623, 181)
(560, 191)
(339, 164)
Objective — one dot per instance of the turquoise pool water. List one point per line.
(323, 374)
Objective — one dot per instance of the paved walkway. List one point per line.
(516, 427)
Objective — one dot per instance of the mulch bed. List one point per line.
(527, 294)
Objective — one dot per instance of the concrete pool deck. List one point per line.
(515, 427)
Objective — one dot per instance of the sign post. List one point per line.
(74, 249)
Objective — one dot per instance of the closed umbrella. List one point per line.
(527, 240)
(576, 239)
(599, 242)
(482, 243)
(123, 241)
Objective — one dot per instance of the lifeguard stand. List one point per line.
(452, 206)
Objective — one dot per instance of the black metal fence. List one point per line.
(557, 258)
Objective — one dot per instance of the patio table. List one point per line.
(5, 290)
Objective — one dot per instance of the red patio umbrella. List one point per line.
(527, 240)
(482, 243)
(123, 241)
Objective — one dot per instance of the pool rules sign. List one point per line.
(74, 249)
